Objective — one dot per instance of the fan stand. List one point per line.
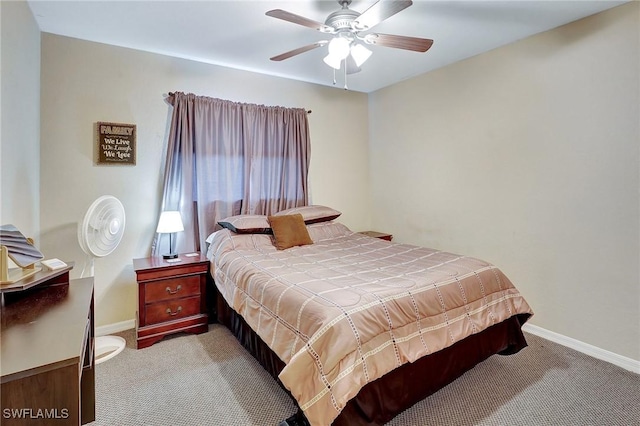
(107, 347)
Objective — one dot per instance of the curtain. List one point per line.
(230, 158)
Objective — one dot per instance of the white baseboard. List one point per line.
(117, 327)
(587, 349)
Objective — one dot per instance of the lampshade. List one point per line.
(351, 66)
(170, 221)
(339, 47)
(360, 54)
(333, 61)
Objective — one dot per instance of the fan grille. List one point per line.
(102, 227)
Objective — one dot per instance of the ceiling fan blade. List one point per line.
(300, 20)
(378, 12)
(299, 50)
(399, 42)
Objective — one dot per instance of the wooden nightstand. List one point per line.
(374, 234)
(171, 297)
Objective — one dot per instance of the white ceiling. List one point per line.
(237, 33)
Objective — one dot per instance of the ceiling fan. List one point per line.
(348, 28)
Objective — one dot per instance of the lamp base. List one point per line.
(170, 256)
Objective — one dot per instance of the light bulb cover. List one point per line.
(339, 47)
(360, 54)
(333, 61)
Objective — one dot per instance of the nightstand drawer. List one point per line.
(172, 309)
(174, 288)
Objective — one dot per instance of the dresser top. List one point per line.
(46, 328)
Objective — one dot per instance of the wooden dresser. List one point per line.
(171, 297)
(47, 355)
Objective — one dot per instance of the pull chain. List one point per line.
(345, 75)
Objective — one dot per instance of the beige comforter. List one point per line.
(349, 308)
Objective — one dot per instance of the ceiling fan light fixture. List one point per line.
(339, 47)
(360, 54)
(348, 44)
(333, 61)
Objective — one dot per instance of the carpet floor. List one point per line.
(209, 379)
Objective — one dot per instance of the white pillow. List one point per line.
(312, 214)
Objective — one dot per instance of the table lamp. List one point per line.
(170, 222)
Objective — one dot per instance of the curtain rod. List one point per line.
(173, 93)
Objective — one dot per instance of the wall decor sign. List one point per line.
(116, 143)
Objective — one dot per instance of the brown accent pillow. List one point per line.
(289, 231)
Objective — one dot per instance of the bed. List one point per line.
(357, 329)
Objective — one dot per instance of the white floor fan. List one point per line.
(99, 234)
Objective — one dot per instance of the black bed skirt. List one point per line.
(381, 400)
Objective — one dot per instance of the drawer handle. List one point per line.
(174, 313)
(174, 291)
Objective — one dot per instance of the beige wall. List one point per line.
(20, 118)
(528, 156)
(85, 82)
